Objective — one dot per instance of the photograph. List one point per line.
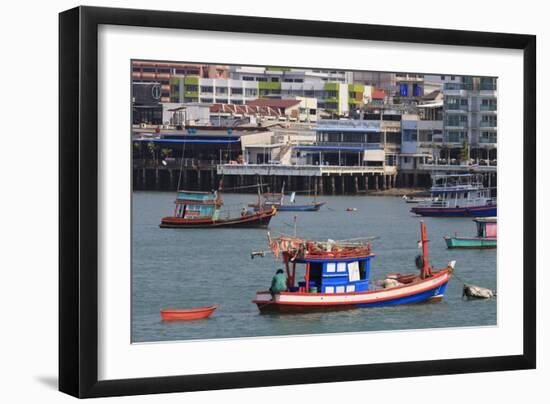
(274, 201)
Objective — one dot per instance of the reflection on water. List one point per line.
(200, 267)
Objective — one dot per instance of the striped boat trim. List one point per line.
(356, 297)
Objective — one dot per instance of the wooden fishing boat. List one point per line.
(269, 200)
(458, 195)
(486, 236)
(409, 199)
(196, 313)
(196, 210)
(337, 277)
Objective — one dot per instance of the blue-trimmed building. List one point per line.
(351, 143)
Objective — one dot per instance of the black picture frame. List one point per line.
(78, 196)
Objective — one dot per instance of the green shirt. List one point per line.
(278, 283)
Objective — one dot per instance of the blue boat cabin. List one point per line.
(335, 275)
(197, 205)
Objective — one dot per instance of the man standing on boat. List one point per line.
(278, 283)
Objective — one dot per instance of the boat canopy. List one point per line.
(195, 205)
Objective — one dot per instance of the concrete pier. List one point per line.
(320, 180)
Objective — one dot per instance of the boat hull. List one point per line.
(427, 290)
(312, 207)
(196, 313)
(470, 242)
(256, 220)
(476, 211)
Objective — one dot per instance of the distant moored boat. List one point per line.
(196, 210)
(458, 195)
(486, 236)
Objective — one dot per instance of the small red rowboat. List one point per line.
(195, 313)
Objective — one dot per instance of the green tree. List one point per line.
(153, 148)
(465, 152)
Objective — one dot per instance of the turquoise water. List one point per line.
(199, 267)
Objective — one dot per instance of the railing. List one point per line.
(177, 163)
(452, 107)
(459, 168)
(347, 144)
(300, 170)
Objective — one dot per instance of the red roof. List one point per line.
(378, 94)
(266, 102)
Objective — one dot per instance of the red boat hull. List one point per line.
(196, 313)
(259, 219)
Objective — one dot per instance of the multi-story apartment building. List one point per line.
(161, 72)
(470, 114)
(335, 98)
(214, 91)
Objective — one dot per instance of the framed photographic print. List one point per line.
(250, 202)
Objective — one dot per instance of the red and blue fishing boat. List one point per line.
(458, 195)
(337, 277)
(196, 209)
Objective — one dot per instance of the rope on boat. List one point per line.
(243, 187)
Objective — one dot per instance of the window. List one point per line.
(456, 136)
(248, 78)
(456, 120)
(207, 89)
(274, 79)
(409, 135)
(261, 78)
(236, 90)
(250, 92)
(221, 90)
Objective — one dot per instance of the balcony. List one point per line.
(488, 92)
(488, 108)
(450, 108)
(488, 124)
(488, 141)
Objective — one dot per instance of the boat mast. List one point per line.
(426, 270)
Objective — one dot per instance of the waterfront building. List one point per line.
(470, 115)
(161, 72)
(146, 103)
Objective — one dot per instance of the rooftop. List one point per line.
(273, 103)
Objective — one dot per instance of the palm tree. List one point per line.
(465, 152)
(152, 147)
